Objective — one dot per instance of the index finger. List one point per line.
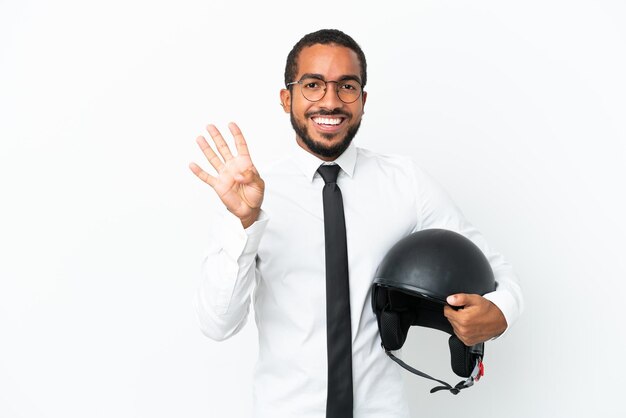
(240, 142)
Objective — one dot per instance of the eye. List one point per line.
(312, 84)
(349, 86)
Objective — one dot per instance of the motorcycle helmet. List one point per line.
(411, 286)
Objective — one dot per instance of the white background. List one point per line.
(517, 108)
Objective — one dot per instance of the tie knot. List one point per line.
(329, 173)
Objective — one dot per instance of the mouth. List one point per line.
(329, 124)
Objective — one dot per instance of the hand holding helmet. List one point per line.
(477, 320)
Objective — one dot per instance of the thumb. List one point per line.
(459, 299)
(246, 177)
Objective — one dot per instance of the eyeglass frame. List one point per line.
(305, 76)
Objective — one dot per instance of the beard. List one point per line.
(320, 149)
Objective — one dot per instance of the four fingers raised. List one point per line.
(222, 148)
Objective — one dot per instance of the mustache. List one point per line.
(323, 112)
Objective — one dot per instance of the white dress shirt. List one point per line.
(278, 263)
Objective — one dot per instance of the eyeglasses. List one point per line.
(314, 89)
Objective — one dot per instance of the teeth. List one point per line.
(327, 121)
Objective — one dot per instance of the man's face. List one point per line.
(326, 127)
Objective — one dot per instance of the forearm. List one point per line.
(438, 210)
(228, 278)
(508, 296)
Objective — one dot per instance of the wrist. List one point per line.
(249, 220)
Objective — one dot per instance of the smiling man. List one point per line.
(302, 244)
(325, 129)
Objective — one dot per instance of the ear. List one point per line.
(364, 95)
(285, 99)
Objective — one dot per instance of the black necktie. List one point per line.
(338, 329)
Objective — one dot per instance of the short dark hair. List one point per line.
(323, 37)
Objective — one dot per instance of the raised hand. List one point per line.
(238, 183)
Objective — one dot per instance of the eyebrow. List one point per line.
(321, 77)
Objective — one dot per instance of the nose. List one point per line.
(331, 99)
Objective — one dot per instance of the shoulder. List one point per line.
(278, 167)
(390, 163)
(402, 171)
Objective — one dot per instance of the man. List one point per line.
(273, 242)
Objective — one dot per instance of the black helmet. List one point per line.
(411, 286)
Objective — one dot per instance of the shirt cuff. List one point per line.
(507, 305)
(236, 241)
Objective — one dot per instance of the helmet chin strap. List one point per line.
(476, 374)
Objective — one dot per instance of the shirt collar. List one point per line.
(308, 163)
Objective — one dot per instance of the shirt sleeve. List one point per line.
(437, 210)
(228, 275)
